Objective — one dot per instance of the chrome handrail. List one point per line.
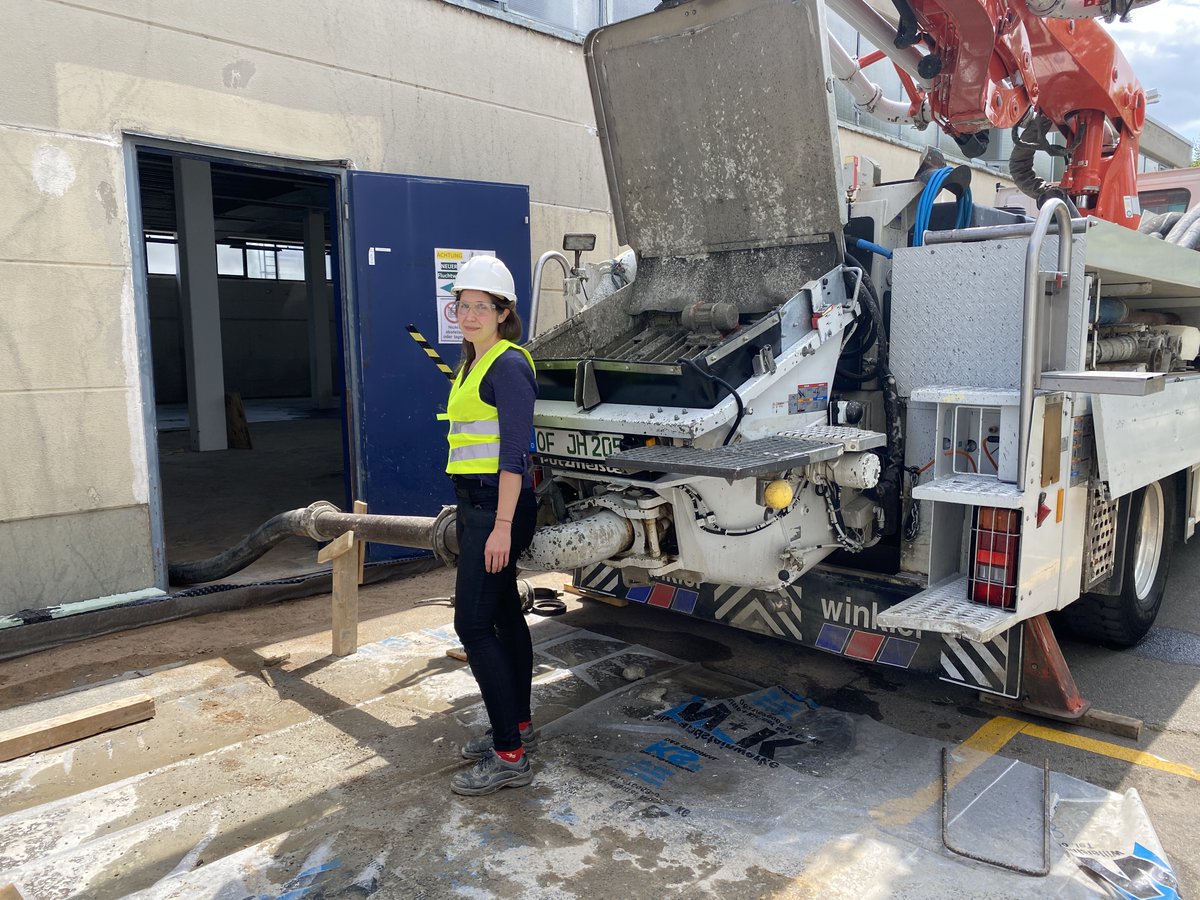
(1031, 344)
(535, 300)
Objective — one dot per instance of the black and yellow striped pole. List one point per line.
(430, 352)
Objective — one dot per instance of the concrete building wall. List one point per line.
(1166, 148)
(419, 87)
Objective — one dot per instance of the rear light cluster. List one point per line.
(995, 539)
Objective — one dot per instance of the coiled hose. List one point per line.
(929, 196)
(1186, 232)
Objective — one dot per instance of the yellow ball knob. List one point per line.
(778, 495)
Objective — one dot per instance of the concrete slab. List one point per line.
(328, 777)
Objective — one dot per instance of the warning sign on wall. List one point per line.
(446, 263)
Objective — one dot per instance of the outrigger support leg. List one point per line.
(1048, 687)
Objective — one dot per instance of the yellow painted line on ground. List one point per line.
(993, 735)
(1105, 748)
(986, 742)
(990, 738)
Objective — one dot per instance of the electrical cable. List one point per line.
(861, 345)
(925, 204)
(737, 398)
(705, 514)
(988, 453)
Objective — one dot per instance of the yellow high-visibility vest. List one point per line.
(474, 425)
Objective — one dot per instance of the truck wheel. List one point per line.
(1121, 620)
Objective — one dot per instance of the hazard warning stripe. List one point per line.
(430, 352)
(988, 666)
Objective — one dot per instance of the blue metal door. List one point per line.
(397, 225)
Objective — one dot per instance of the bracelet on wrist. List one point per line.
(506, 521)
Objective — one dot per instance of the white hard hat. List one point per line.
(488, 274)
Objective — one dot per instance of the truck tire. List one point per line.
(1121, 620)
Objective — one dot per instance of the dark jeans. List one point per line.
(487, 610)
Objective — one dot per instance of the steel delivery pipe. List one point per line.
(997, 232)
(572, 545)
(869, 22)
(555, 547)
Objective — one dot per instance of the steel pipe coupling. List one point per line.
(308, 519)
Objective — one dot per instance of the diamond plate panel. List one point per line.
(766, 456)
(853, 440)
(946, 609)
(956, 312)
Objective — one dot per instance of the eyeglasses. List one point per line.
(461, 308)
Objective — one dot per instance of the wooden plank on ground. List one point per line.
(74, 726)
(599, 598)
(1099, 719)
(10, 892)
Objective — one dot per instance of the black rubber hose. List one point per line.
(1151, 223)
(1180, 228)
(1190, 239)
(861, 345)
(737, 398)
(246, 551)
(1021, 163)
(891, 399)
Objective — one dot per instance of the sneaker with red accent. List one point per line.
(491, 773)
(481, 745)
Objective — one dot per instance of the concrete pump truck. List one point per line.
(844, 413)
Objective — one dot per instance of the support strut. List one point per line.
(1049, 688)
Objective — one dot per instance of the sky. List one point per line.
(1162, 42)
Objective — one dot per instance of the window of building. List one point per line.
(161, 254)
(564, 18)
(258, 260)
(1165, 200)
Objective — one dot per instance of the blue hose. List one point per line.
(872, 247)
(925, 206)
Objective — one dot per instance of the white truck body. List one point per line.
(708, 402)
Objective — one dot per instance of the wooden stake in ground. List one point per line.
(360, 509)
(74, 726)
(345, 592)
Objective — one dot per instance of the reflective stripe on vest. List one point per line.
(474, 434)
(484, 427)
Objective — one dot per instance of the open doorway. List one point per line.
(242, 291)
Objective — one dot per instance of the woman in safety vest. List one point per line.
(491, 417)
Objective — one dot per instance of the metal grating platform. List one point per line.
(766, 456)
(853, 440)
(970, 490)
(945, 608)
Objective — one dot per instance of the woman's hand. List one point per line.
(497, 548)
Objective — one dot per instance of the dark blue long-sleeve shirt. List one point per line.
(509, 386)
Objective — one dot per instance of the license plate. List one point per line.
(576, 444)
